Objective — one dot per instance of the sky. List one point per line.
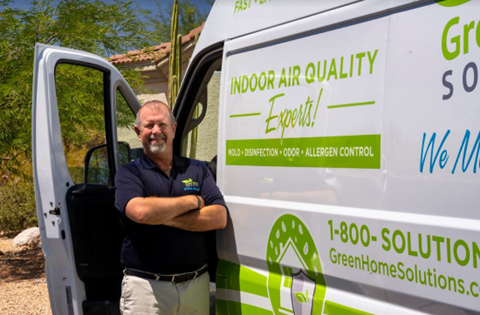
(144, 4)
(202, 5)
(150, 4)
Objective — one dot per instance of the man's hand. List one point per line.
(160, 210)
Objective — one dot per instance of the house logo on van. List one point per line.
(294, 290)
(190, 185)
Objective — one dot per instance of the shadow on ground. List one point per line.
(24, 264)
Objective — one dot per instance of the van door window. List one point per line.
(81, 115)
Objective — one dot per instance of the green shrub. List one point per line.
(17, 206)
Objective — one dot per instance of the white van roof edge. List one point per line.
(237, 23)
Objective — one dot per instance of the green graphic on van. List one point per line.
(302, 298)
(451, 3)
(359, 151)
(294, 290)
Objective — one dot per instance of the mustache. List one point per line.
(159, 137)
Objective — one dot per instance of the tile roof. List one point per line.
(155, 53)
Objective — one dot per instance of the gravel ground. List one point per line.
(23, 288)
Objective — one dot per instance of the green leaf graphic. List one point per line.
(300, 297)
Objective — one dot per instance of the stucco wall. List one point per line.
(208, 128)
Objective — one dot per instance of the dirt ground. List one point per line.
(23, 288)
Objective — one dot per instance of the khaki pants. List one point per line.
(144, 296)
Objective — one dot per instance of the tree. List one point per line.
(90, 25)
(189, 18)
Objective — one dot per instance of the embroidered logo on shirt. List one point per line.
(190, 185)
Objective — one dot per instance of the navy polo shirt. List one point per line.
(160, 248)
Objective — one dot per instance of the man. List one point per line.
(167, 203)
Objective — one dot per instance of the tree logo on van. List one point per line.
(451, 3)
(294, 290)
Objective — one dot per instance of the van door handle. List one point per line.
(55, 211)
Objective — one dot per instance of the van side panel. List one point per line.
(349, 155)
(430, 139)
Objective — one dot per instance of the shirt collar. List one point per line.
(146, 162)
(178, 162)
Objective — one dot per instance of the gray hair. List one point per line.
(155, 105)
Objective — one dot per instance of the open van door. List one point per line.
(79, 225)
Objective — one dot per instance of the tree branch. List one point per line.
(14, 157)
(51, 38)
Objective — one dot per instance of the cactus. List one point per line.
(175, 74)
(175, 61)
(193, 143)
(194, 137)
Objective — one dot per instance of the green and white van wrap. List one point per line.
(358, 127)
(295, 283)
(300, 290)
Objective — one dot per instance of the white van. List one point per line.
(347, 151)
